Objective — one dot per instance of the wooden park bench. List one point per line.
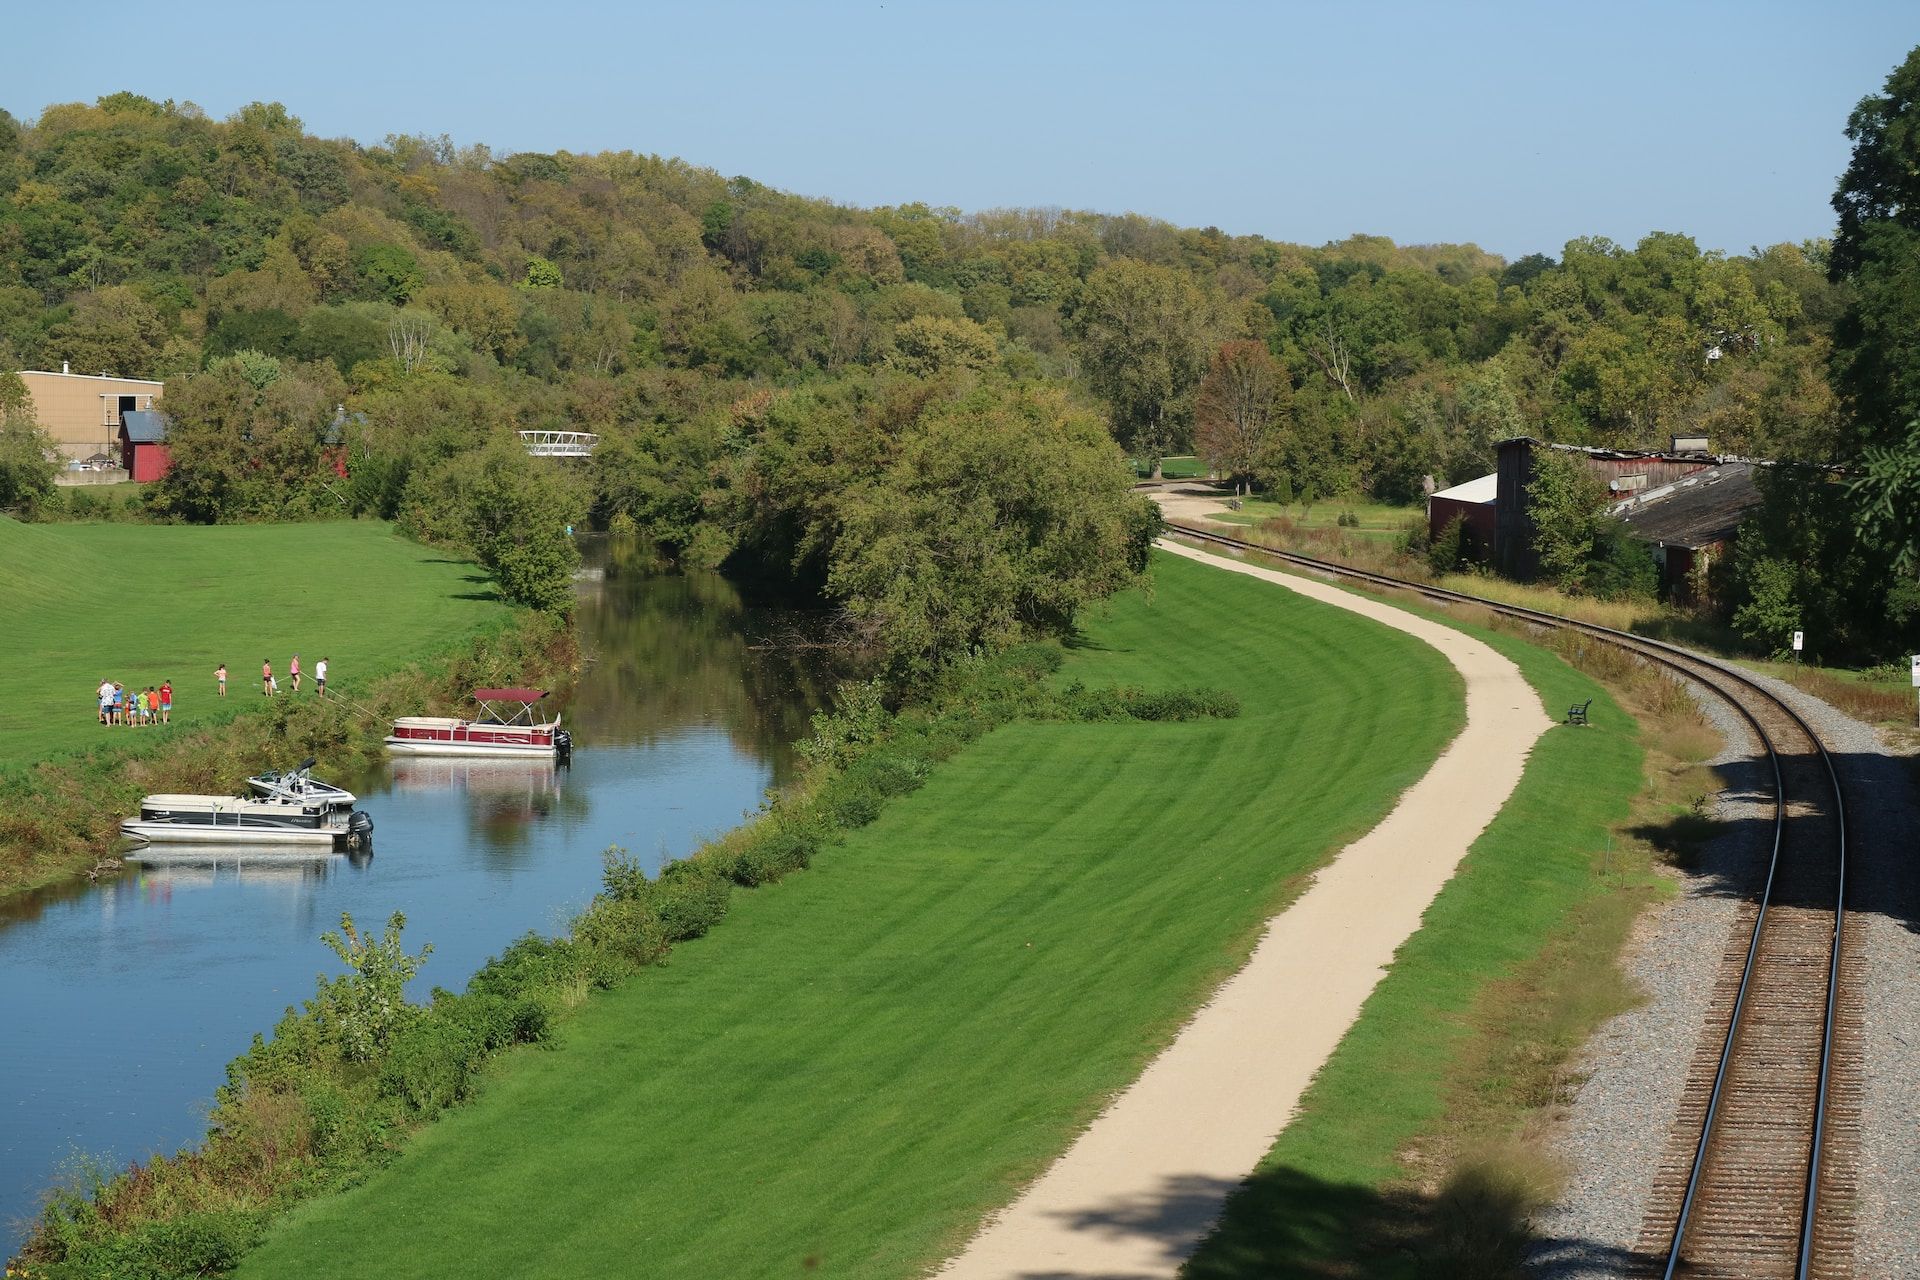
(1577, 713)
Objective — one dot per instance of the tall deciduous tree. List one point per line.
(26, 451)
(1567, 505)
(1877, 341)
(1002, 514)
(247, 438)
(1240, 408)
(1144, 338)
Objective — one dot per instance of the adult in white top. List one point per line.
(320, 676)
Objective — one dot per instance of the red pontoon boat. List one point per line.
(506, 727)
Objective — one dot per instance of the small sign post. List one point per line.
(1916, 689)
(1799, 641)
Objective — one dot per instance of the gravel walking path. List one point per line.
(1616, 1127)
(1136, 1192)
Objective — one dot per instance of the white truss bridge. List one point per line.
(559, 444)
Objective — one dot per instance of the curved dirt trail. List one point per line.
(1140, 1187)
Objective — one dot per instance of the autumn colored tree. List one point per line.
(1240, 408)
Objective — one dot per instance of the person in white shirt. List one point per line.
(320, 676)
(106, 701)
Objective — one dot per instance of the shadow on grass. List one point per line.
(1285, 1222)
(492, 597)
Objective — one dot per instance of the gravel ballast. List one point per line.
(1615, 1129)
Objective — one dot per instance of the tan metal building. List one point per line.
(82, 411)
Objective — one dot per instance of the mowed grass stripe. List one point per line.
(146, 603)
(864, 1059)
(1337, 1194)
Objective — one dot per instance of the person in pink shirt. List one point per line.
(293, 672)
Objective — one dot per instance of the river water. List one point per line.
(122, 1003)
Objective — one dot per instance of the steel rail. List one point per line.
(1688, 664)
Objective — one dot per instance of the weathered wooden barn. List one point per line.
(1691, 522)
(1645, 478)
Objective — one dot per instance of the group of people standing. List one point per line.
(270, 685)
(121, 705)
(151, 705)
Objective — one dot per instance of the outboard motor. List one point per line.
(359, 830)
(563, 746)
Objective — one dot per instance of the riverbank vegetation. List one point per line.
(404, 627)
(1055, 875)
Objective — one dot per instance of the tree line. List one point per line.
(764, 369)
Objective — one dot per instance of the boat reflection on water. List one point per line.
(514, 788)
(187, 866)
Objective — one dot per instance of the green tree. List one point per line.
(1489, 413)
(511, 510)
(1802, 561)
(1143, 334)
(518, 517)
(366, 1007)
(112, 330)
(1004, 513)
(248, 439)
(1567, 504)
(1877, 341)
(927, 345)
(542, 274)
(27, 453)
(387, 273)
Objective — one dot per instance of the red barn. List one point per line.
(1473, 503)
(143, 445)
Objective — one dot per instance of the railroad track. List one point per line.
(1757, 1178)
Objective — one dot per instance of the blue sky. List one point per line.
(1516, 126)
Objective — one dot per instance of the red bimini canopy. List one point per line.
(509, 695)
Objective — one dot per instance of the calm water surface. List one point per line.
(121, 1004)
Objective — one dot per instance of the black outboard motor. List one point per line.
(359, 830)
(563, 746)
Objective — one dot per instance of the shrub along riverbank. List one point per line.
(931, 1009)
(407, 629)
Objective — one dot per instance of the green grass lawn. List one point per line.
(145, 603)
(1335, 1176)
(1378, 521)
(864, 1059)
(1182, 468)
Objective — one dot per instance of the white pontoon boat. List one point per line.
(256, 820)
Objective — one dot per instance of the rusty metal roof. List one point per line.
(1694, 511)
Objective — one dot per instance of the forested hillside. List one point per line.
(625, 292)
(749, 355)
